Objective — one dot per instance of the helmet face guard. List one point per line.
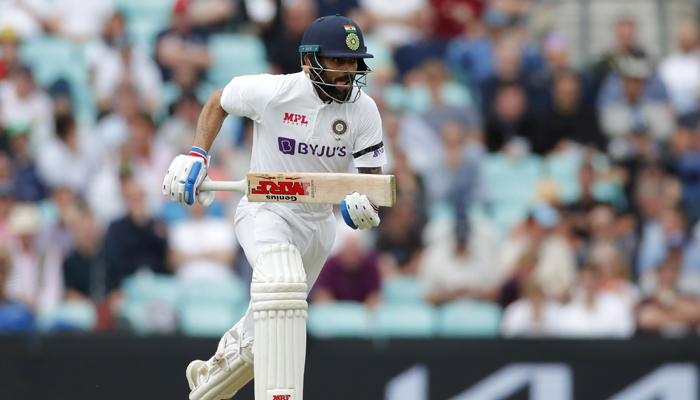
(358, 80)
(335, 36)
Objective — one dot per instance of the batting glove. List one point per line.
(184, 176)
(358, 212)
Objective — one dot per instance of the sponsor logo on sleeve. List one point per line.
(378, 152)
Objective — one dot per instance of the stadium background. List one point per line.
(545, 242)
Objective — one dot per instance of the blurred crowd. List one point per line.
(568, 195)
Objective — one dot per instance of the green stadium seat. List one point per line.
(146, 317)
(235, 55)
(404, 320)
(402, 289)
(467, 318)
(339, 319)
(151, 288)
(564, 169)
(207, 320)
(69, 315)
(230, 293)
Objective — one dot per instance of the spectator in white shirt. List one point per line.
(593, 313)
(115, 61)
(680, 72)
(79, 20)
(532, 316)
(71, 159)
(23, 102)
(202, 247)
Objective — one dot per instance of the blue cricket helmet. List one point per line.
(335, 36)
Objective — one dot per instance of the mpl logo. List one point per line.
(295, 119)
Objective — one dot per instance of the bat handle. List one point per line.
(225, 186)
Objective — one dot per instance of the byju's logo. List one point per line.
(287, 145)
(295, 119)
(290, 146)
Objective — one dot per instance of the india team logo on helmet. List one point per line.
(335, 37)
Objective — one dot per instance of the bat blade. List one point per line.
(320, 188)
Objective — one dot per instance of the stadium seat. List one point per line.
(151, 288)
(69, 315)
(230, 293)
(468, 318)
(564, 170)
(149, 317)
(404, 320)
(235, 55)
(402, 289)
(207, 320)
(338, 319)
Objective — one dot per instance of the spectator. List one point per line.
(36, 277)
(668, 312)
(202, 247)
(70, 159)
(27, 184)
(23, 103)
(453, 18)
(461, 265)
(24, 17)
(567, 120)
(59, 213)
(399, 240)
(556, 265)
(135, 241)
(634, 112)
(182, 45)
(84, 269)
(114, 61)
(614, 272)
(351, 275)
(509, 119)
(213, 14)
(283, 49)
(626, 46)
(593, 313)
(9, 53)
(431, 90)
(6, 203)
(79, 20)
(177, 130)
(14, 316)
(514, 286)
(680, 72)
(113, 129)
(397, 26)
(533, 315)
(685, 146)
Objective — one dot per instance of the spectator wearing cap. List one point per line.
(36, 276)
(70, 159)
(14, 316)
(9, 53)
(669, 311)
(680, 71)
(556, 262)
(462, 264)
(114, 61)
(182, 46)
(593, 313)
(352, 274)
(23, 103)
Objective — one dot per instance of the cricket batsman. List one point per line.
(317, 120)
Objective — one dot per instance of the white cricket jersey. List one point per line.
(295, 131)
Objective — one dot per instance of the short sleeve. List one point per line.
(247, 96)
(368, 151)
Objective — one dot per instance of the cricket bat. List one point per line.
(302, 187)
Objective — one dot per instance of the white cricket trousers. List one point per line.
(260, 225)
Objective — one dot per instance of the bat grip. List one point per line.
(225, 186)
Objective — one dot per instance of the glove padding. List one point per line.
(358, 212)
(184, 176)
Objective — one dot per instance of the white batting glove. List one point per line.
(358, 212)
(184, 176)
